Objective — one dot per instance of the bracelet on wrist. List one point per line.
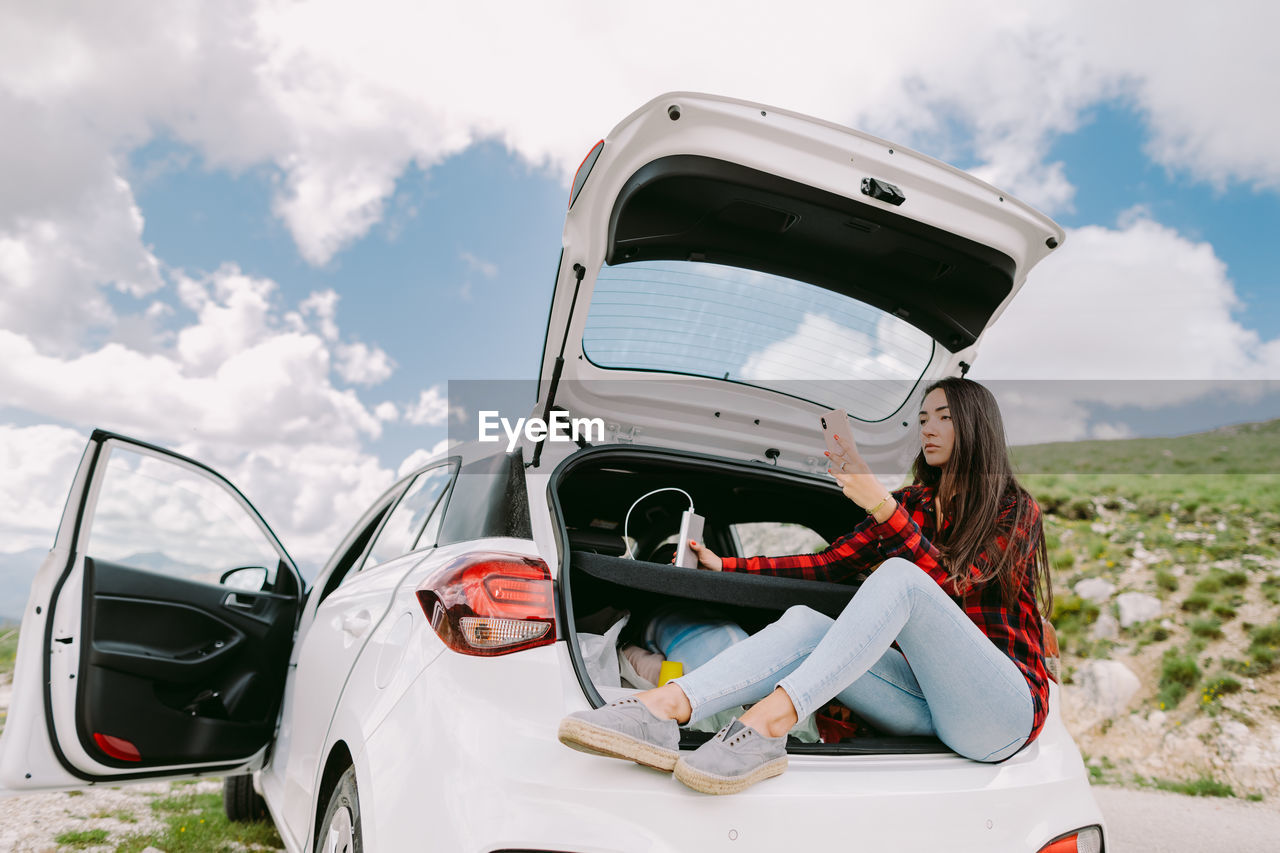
(872, 510)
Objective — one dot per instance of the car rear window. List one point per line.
(703, 319)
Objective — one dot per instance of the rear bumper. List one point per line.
(468, 761)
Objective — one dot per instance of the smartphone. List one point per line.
(690, 528)
(834, 422)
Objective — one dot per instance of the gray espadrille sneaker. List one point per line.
(624, 729)
(735, 759)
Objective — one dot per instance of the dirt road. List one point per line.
(1160, 822)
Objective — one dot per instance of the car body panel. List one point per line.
(344, 624)
(500, 752)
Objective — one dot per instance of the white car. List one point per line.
(730, 271)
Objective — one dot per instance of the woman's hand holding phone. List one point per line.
(854, 475)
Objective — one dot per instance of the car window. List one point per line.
(704, 319)
(407, 522)
(160, 516)
(431, 530)
(351, 556)
(774, 539)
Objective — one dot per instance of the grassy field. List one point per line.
(1195, 522)
(8, 648)
(195, 823)
(1231, 468)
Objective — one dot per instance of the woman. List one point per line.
(959, 560)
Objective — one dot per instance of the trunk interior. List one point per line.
(749, 509)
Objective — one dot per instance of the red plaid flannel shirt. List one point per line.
(1018, 633)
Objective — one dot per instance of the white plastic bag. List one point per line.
(600, 654)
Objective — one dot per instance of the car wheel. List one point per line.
(241, 803)
(340, 831)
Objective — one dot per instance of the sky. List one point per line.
(267, 234)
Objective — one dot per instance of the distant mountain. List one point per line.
(19, 569)
(1252, 448)
(161, 563)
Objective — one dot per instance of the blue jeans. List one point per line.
(958, 687)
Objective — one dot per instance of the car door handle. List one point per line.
(356, 624)
(239, 603)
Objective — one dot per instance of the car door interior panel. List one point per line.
(175, 670)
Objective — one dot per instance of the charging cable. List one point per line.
(627, 520)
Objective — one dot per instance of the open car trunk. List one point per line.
(749, 509)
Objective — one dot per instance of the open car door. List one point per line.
(158, 632)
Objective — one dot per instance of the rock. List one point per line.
(1157, 718)
(1137, 607)
(1106, 628)
(1234, 729)
(1096, 590)
(1105, 688)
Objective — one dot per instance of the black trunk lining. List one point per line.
(732, 588)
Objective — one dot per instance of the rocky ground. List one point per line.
(1170, 626)
(155, 817)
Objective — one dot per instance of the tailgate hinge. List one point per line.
(624, 435)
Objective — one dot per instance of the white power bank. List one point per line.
(690, 528)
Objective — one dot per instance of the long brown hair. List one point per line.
(973, 488)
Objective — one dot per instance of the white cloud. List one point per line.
(432, 409)
(488, 269)
(1109, 431)
(231, 319)
(53, 268)
(420, 457)
(1035, 414)
(309, 493)
(323, 305)
(341, 104)
(1135, 316)
(478, 265)
(870, 375)
(387, 411)
(1201, 77)
(38, 463)
(1136, 302)
(237, 375)
(361, 364)
(997, 79)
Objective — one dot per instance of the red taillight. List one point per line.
(491, 604)
(1062, 845)
(584, 169)
(117, 747)
(1086, 840)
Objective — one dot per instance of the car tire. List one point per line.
(241, 802)
(340, 829)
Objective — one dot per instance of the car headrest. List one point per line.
(597, 542)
